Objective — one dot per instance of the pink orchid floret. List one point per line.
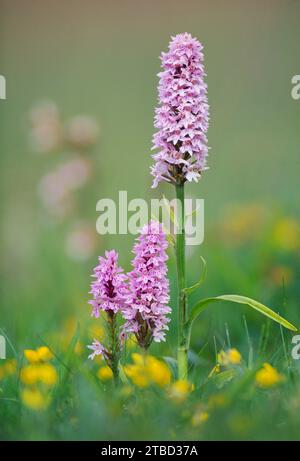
(183, 114)
(98, 349)
(109, 288)
(147, 307)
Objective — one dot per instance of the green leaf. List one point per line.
(194, 287)
(201, 306)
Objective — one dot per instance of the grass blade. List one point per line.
(202, 305)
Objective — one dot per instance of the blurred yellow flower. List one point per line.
(137, 375)
(158, 371)
(29, 374)
(44, 353)
(34, 373)
(268, 376)
(31, 356)
(9, 368)
(41, 354)
(230, 357)
(286, 234)
(138, 359)
(199, 417)
(47, 374)
(179, 390)
(137, 371)
(105, 373)
(148, 370)
(34, 399)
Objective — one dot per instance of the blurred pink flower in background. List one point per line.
(75, 173)
(55, 188)
(45, 127)
(81, 132)
(53, 195)
(81, 242)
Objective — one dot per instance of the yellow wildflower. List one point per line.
(268, 376)
(34, 399)
(230, 357)
(34, 373)
(138, 359)
(44, 354)
(47, 374)
(105, 373)
(29, 374)
(148, 370)
(31, 355)
(158, 371)
(179, 390)
(137, 374)
(41, 354)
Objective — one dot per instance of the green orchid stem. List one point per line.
(182, 351)
(114, 346)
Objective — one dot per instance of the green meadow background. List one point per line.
(102, 59)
